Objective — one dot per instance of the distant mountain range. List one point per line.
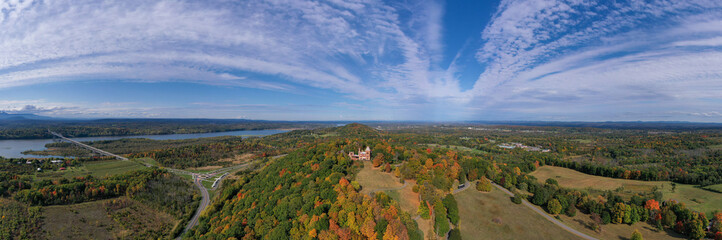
(22, 116)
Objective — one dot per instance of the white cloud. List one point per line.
(319, 44)
(595, 60)
(541, 58)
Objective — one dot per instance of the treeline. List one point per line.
(304, 195)
(684, 157)
(678, 172)
(126, 145)
(35, 129)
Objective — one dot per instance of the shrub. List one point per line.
(423, 210)
(636, 235)
(455, 234)
(552, 181)
(571, 211)
(516, 199)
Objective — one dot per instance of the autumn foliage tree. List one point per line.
(483, 185)
(554, 207)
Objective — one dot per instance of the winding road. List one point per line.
(197, 178)
(543, 214)
(205, 200)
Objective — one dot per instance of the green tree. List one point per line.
(636, 235)
(696, 227)
(455, 234)
(516, 198)
(452, 208)
(423, 210)
(551, 181)
(554, 207)
(618, 213)
(441, 223)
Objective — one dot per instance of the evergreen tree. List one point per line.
(441, 223)
(451, 208)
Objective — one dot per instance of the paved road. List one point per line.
(466, 186)
(550, 218)
(205, 200)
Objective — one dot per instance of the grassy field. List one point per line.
(97, 169)
(146, 161)
(493, 216)
(97, 220)
(458, 148)
(716, 187)
(617, 231)
(695, 198)
(372, 179)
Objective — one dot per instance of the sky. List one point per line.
(534, 60)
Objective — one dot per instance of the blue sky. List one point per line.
(551, 60)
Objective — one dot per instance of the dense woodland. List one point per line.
(304, 195)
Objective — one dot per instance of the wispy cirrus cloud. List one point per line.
(345, 46)
(541, 59)
(595, 60)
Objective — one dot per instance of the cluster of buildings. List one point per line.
(519, 145)
(362, 155)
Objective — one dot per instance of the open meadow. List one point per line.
(116, 218)
(374, 179)
(96, 168)
(581, 221)
(693, 197)
(492, 215)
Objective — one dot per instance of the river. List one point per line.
(14, 148)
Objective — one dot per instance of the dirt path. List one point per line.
(550, 218)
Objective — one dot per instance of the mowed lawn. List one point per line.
(373, 179)
(695, 198)
(492, 215)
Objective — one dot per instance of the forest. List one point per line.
(304, 195)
